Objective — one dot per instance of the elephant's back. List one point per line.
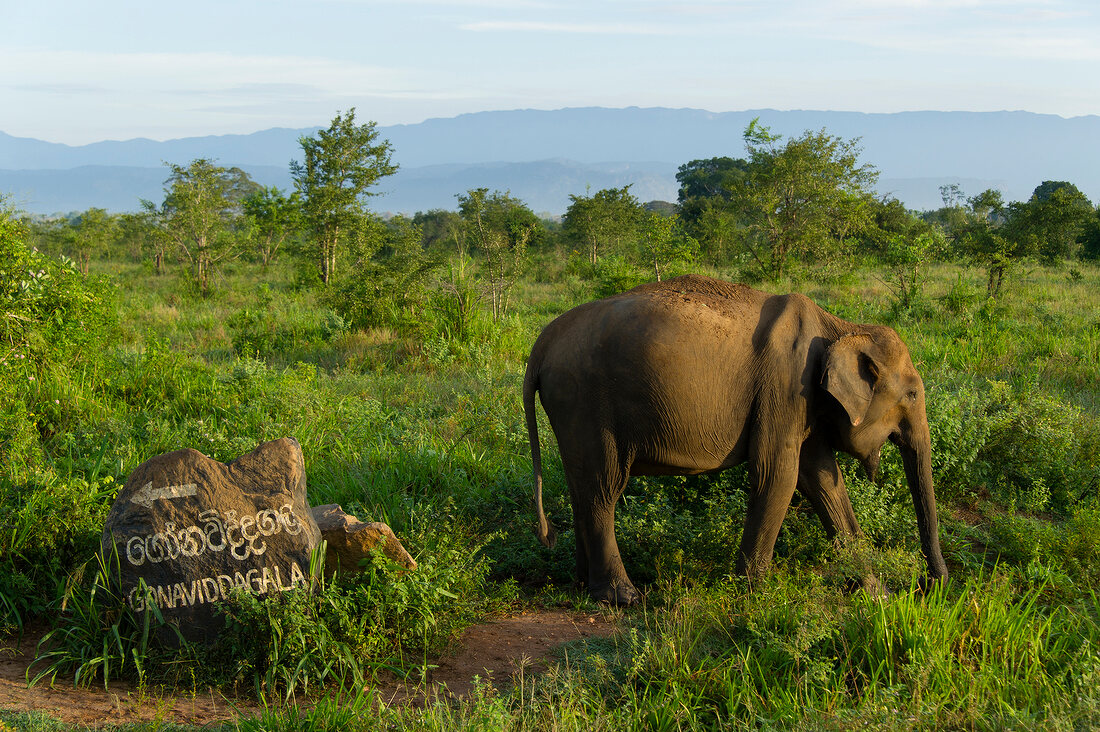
(671, 366)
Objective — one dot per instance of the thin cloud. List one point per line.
(200, 72)
(538, 26)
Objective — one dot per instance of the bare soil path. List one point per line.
(491, 650)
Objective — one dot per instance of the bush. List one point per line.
(1040, 453)
(616, 274)
(387, 286)
(54, 324)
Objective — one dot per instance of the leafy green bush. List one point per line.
(1041, 453)
(615, 274)
(387, 285)
(54, 324)
(1063, 557)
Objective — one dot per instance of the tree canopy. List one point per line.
(334, 179)
(602, 220)
(798, 196)
(201, 213)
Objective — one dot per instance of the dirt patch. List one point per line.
(492, 650)
(497, 649)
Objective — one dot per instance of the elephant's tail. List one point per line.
(543, 530)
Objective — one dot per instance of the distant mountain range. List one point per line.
(544, 156)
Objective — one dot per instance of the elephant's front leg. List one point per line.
(773, 474)
(820, 481)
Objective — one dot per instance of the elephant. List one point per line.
(695, 375)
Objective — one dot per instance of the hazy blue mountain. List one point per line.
(543, 156)
(544, 185)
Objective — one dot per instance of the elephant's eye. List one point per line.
(912, 395)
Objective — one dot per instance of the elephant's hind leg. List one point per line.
(595, 482)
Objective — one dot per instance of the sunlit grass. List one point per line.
(423, 431)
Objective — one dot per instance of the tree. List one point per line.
(339, 166)
(980, 235)
(709, 178)
(442, 230)
(717, 228)
(601, 221)
(499, 227)
(799, 196)
(139, 234)
(1089, 240)
(1055, 215)
(661, 242)
(907, 257)
(705, 199)
(89, 236)
(202, 212)
(275, 218)
(385, 284)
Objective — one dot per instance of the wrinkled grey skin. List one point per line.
(695, 375)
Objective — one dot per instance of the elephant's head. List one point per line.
(873, 378)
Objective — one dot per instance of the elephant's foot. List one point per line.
(615, 593)
(869, 584)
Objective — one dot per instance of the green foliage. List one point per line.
(334, 179)
(55, 324)
(269, 330)
(907, 259)
(356, 625)
(706, 208)
(1090, 237)
(100, 636)
(1040, 453)
(455, 304)
(615, 274)
(386, 284)
(499, 228)
(600, 222)
(1055, 215)
(274, 219)
(90, 235)
(798, 197)
(337, 712)
(662, 244)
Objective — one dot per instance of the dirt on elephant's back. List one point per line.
(492, 650)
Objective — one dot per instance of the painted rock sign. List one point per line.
(195, 529)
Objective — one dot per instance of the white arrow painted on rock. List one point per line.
(147, 493)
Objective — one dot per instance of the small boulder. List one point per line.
(194, 529)
(350, 540)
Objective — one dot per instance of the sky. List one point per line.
(77, 72)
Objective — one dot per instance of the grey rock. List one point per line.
(193, 529)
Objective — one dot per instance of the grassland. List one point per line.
(425, 431)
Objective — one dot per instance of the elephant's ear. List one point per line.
(850, 374)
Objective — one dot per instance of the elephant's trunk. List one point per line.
(917, 458)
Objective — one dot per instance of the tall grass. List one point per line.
(425, 431)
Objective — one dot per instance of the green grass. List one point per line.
(426, 432)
